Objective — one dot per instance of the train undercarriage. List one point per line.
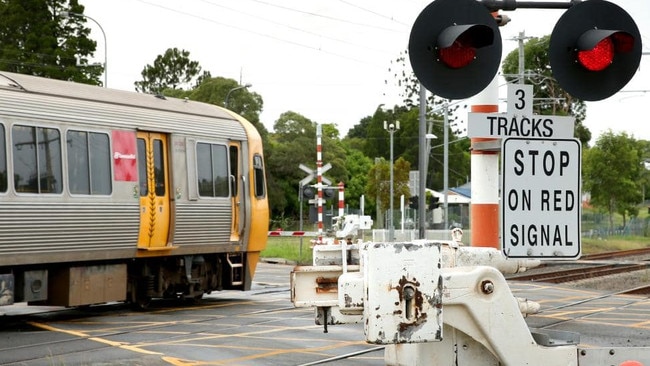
(137, 281)
(185, 277)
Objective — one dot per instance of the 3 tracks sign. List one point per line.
(541, 182)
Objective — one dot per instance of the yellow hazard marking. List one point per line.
(75, 333)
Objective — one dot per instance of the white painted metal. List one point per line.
(403, 293)
(613, 356)
(351, 293)
(483, 321)
(478, 305)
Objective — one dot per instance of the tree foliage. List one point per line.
(292, 143)
(613, 173)
(173, 70)
(357, 166)
(551, 98)
(36, 39)
(378, 185)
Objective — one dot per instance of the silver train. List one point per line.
(107, 195)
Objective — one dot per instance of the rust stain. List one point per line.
(419, 317)
(327, 285)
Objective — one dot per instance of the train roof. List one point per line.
(68, 89)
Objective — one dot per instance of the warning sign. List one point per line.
(541, 198)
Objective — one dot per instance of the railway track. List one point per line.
(580, 273)
(592, 267)
(641, 290)
(617, 254)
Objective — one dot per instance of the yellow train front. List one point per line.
(107, 195)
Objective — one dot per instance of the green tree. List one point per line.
(612, 174)
(378, 185)
(551, 98)
(357, 166)
(644, 147)
(36, 39)
(292, 143)
(173, 70)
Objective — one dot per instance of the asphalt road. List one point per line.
(259, 327)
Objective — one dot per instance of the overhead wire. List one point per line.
(340, 20)
(289, 26)
(372, 12)
(265, 35)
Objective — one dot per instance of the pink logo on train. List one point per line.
(124, 156)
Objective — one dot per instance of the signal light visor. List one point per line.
(457, 44)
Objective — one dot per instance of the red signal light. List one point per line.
(599, 57)
(457, 55)
(608, 43)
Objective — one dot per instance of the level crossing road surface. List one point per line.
(258, 327)
(261, 327)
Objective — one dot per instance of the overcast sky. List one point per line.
(328, 60)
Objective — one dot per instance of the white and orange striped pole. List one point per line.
(484, 209)
(341, 199)
(319, 181)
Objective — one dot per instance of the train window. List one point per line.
(89, 169)
(37, 159)
(212, 168)
(142, 167)
(100, 164)
(3, 160)
(159, 167)
(234, 169)
(258, 166)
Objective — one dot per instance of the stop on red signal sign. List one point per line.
(541, 198)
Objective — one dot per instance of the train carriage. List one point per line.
(108, 195)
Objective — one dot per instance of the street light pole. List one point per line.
(391, 128)
(225, 103)
(67, 14)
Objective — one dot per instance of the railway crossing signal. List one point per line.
(595, 49)
(455, 48)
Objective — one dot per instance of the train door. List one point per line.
(154, 190)
(237, 193)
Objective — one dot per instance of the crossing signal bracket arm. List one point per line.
(508, 5)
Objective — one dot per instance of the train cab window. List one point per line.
(258, 167)
(234, 169)
(3, 160)
(89, 163)
(212, 168)
(159, 167)
(37, 159)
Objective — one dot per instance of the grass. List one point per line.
(593, 245)
(289, 248)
